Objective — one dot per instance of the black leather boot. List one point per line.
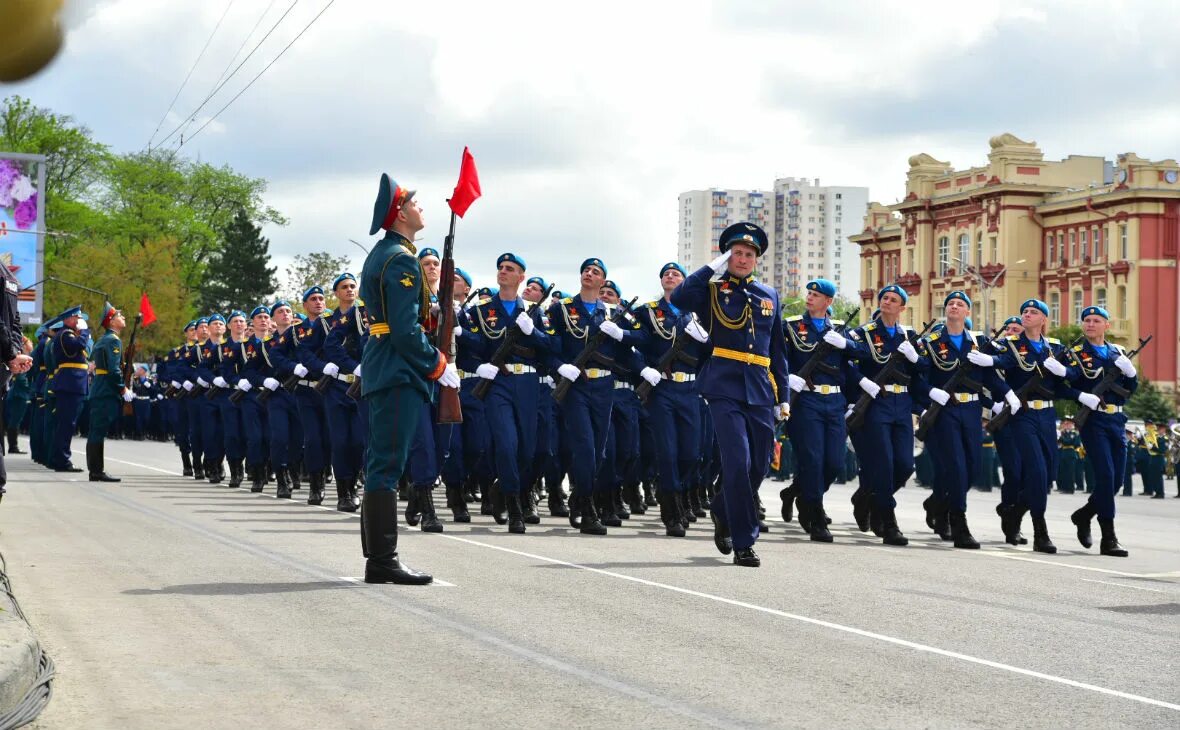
(649, 495)
(635, 499)
(558, 501)
(236, 473)
(694, 504)
(186, 463)
(213, 472)
(283, 480)
(379, 543)
(860, 509)
(13, 446)
(747, 558)
(804, 513)
(606, 509)
(95, 464)
(345, 495)
(961, 532)
(819, 523)
(198, 467)
(430, 521)
(721, 537)
(458, 504)
(1081, 519)
(1018, 514)
(498, 505)
(1110, 542)
(257, 477)
(295, 473)
(413, 514)
(787, 495)
(930, 504)
(485, 499)
(315, 493)
(1041, 541)
(515, 514)
(589, 524)
(669, 514)
(687, 516)
(617, 504)
(891, 533)
(528, 507)
(942, 521)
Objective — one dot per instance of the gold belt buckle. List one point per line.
(963, 397)
(679, 377)
(823, 389)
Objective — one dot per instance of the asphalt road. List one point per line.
(167, 602)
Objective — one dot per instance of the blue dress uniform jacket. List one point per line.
(309, 339)
(70, 387)
(252, 365)
(347, 420)
(1103, 432)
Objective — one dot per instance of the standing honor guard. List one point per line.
(1091, 363)
(106, 392)
(400, 367)
(740, 380)
(70, 385)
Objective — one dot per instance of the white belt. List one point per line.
(1109, 409)
(143, 397)
(1039, 405)
(620, 385)
(464, 374)
(595, 373)
(345, 377)
(518, 369)
(823, 389)
(679, 377)
(965, 397)
(895, 389)
(547, 380)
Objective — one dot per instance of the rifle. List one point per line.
(668, 361)
(816, 361)
(590, 352)
(1035, 385)
(890, 373)
(508, 347)
(961, 380)
(449, 410)
(1108, 385)
(129, 362)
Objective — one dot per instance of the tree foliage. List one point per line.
(317, 267)
(239, 275)
(1148, 403)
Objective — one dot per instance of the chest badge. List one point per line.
(493, 318)
(767, 308)
(407, 280)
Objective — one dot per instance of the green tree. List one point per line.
(1148, 403)
(318, 267)
(241, 275)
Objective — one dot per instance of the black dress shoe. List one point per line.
(860, 510)
(721, 536)
(69, 468)
(788, 497)
(102, 476)
(747, 558)
(1081, 519)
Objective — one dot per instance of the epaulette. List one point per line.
(934, 336)
(837, 322)
(1012, 338)
(567, 300)
(976, 333)
(794, 318)
(1053, 340)
(1077, 348)
(654, 303)
(868, 327)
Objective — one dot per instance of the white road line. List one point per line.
(1123, 585)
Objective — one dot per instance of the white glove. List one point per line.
(870, 387)
(201, 382)
(782, 411)
(244, 385)
(695, 331)
(1013, 401)
(939, 396)
(128, 396)
(721, 263)
(331, 369)
(979, 359)
(525, 323)
(997, 408)
(457, 332)
(188, 385)
(159, 397)
(848, 411)
(450, 377)
(300, 370)
(1089, 400)
(270, 384)
(175, 384)
(908, 351)
(357, 371)
(1054, 366)
(1124, 364)
(651, 375)
(487, 371)
(612, 330)
(220, 382)
(569, 372)
(835, 339)
(796, 383)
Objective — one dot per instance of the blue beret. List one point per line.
(202, 320)
(57, 325)
(216, 318)
(488, 291)
(538, 281)
(390, 199)
(746, 233)
(343, 277)
(672, 265)
(237, 313)
(260, 309)
(608, 284)
(876, 313)
(830, 312)
(39, 333)
(967, 323)
(279, 303)
(1100, 311)
(558, 293)
(894, 288)
(512, 259)
(822, 286)
(428, 251)
(314, 289)
(593, 262)
(1013, 320)
(1036, 304)
(192, 325)
(71, 312)
(957, 294)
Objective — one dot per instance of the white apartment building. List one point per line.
(704, 214)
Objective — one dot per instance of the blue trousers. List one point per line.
(511, 413)
(393, 419)
(231, 426)
(674, 413)
(1034, 435)
(1006, 451)
(429, 448)
(818, 432)
(547, 434)
(585, 422)
(468, 451)
(68, 407)
(348, 432)
(212, 436)
(192, 413)
(888, 446)
(179, 424)
(286, 437)
(1106, 448)
(143, 416)
(622, 444)
(254, 429)
(746, 435)
(314, 422)
(956, 447)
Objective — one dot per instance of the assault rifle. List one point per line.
(1108, 385)
(675, 354)
(129, 363)
(963, 379)
(816, 361)
(510, 346)
(890, 373)
(1034, 386)
(590, 353)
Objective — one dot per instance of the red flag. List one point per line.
(467, 189)
(145, 309)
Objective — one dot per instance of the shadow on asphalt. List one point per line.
(237, 589)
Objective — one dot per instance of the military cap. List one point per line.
(608, 284)
(280, 303)
(202, 320)
(108, 313)
(557, 294)
(343, 277)
(57, 325)
(464, 276)
(70, 312)
(428, 251)
(593, 262)
(1013, 320)
(260, 309)
(216, 317)
(1035, 304)
(1094, 309)
(390, 199)
(192, 325)
(957, 294)
(746, 233)
(669, 266)
(894, 289)
(312, 290)
(512, 259)
(237, 313)
(822, 286)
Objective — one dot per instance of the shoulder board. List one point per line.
(837, 322)
(794, 318)
(1077, 348)
(567, 300)
(654, 303)
(867, 328)
(1012, 338)
(933, 337)
(1053, 340)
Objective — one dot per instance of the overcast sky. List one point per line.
(587, 119)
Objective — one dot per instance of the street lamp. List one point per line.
(984, 286)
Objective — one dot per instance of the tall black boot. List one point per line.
(590, 524)
(649, 496)
(257, 477)
(13, 446)
(315, 493)
(295, 473)
(528, 507)
(722, 540)
(213, 471)
(499, 510)
(1110, 542)
(345, 495)
(198, 467)
(1041, 541)
(1081, 519)
(686, 514)
(694, 503)
(187, 464)
(95, 464)
(804, 510)
(458, 504)
(961, 532)
(861, 499)
(606, 509)
(891, 533)
(787, 495)
(413, 514)
(930, 504)
(557, 503)
(1018, 513)
(515, 514)
(236, 473)
(669, 514)
(819, 523)
(379, 543)
(430, 521)
(760, 513)
(617, 503)
(283, 480)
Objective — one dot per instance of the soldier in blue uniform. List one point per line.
(70, 386)
(1102, 433)
(347, 419)
(253, 370)
(40, 383)
(186, 377)
(740, 380)
(468, 439)
(619, 467)
(674, 406)
(106, 392)
(1006, 452)
(225, 381)
(144, 392)
(206, 368)
(170, 371)
(286, 434)
(309, 339)
(817, 430)
(546, 459)
(1034, 423)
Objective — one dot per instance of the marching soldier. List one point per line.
(70, 385)
(347, 418)
(1006, 451)
(172, 371)
(106, 392)
(253, 371)
(469, 440)
(206, 363)
(309, 350)
(740, 380)
(227, 377)
(546, 461)
(280, 365)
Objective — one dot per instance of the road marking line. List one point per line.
(1122, 585)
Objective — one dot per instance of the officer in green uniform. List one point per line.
(989, 465)
(1069, 463)
(16, 404)
(399, 367)
(1155, 447)
(106, 392)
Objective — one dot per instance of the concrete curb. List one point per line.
(20, 654)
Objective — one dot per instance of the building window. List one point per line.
(1050, 251)
(944, 253)
(979, 249)
(1060, 250)
(964, 252)
(1100, 297)
(1084, 247)
(1073, 249)
(910, 261)
(1096, 234)
(1123, 241)
(995, 257)
(1122, 301)
(1054, 307)
(1075, 311)
(869, 275)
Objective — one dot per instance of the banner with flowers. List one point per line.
(22, 226)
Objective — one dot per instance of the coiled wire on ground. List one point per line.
(39, 694)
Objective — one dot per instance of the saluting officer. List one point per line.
(70, 385)
(740, 380)
(106, 392)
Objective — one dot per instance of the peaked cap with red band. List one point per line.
(390, 199)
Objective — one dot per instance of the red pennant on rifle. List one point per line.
(467, 189)
(145, 309)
